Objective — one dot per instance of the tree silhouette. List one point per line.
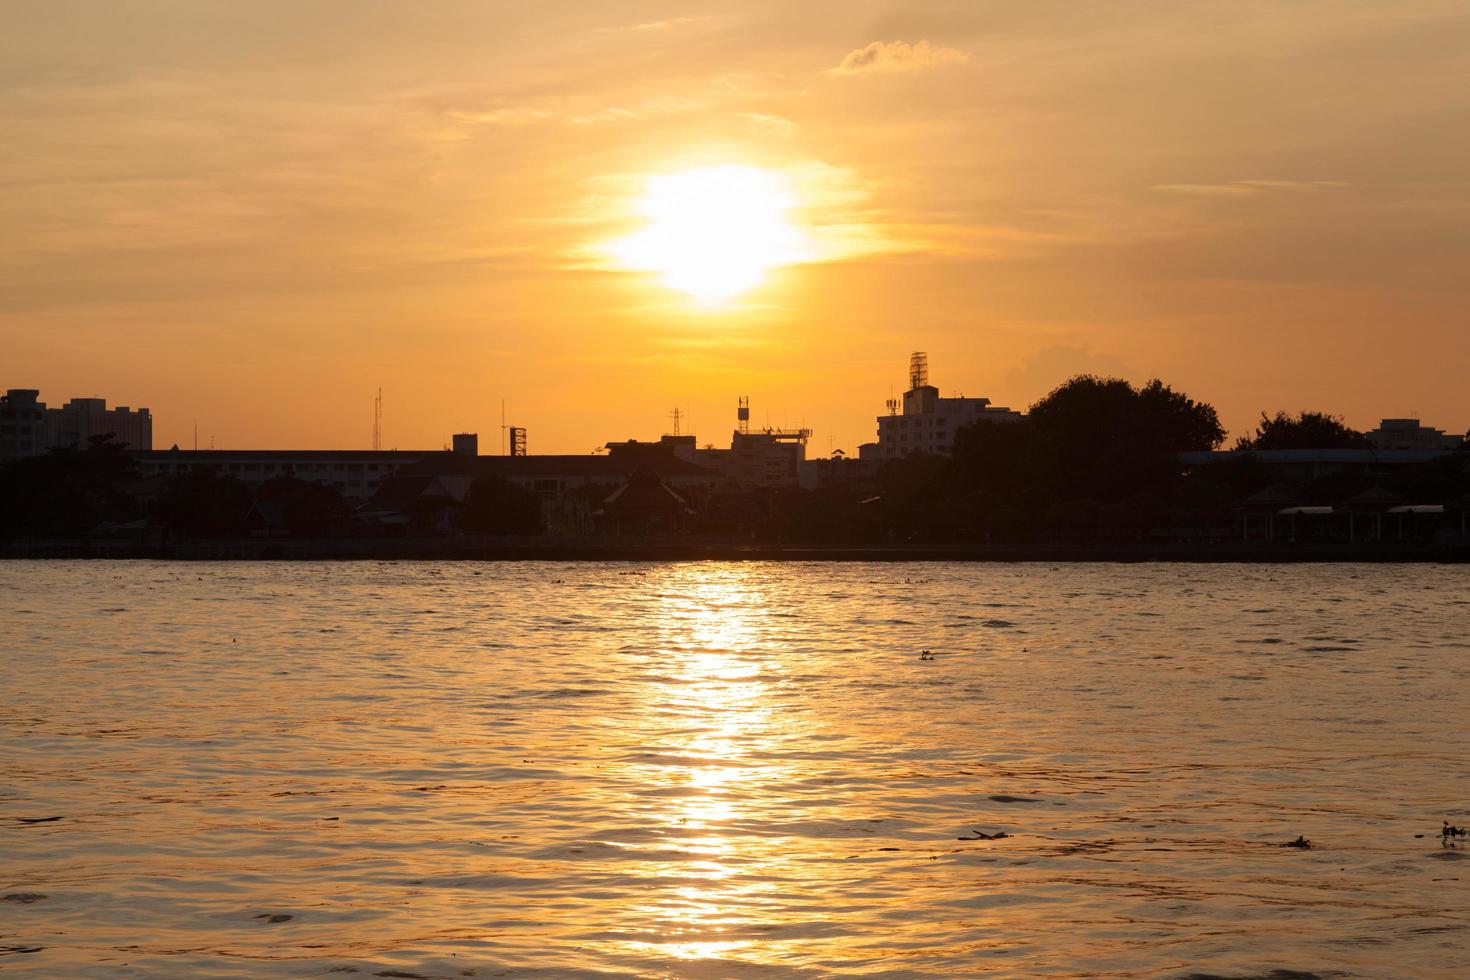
(494, 505)
(1309, 430)
(66, 491)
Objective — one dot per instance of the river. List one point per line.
(732, 770)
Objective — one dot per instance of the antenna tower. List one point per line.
(378, 421)
(676, 415)
(918, 369)
(742, 414)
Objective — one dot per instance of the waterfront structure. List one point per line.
(927, 422)
(1410, 434)
(570, 488)
(643, 505)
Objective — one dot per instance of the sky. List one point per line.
(252, 216)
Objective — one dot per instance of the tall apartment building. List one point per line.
(22, 424)
(29, 428)
(83, 418)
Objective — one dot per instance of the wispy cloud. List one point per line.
(667, 24)
(1244, 188)
(506, 116)
(895, 56)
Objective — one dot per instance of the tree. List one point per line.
(203, 504)
(66, 491)
(307, 508)
(1091, 438)
(1309, 430)
(494, 505)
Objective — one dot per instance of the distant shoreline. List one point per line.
(470, 549)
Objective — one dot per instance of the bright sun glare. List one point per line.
(714, 232)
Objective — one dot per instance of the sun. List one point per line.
(713, 233)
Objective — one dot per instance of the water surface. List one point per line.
(731, 770)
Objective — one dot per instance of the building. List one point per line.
(1410, 434)
(357, 473)
(29, 428)
(1306, 465)
(767, 457)
(928, 423)
(81, 419)
(643, 505)
(571, 488)
(22, 424)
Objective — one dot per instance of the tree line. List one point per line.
(1095, 458)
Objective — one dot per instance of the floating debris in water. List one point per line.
(1449, 832)
(23, 898)
(982, 835)
(38, 819)
(926, 655)
(1301, 843)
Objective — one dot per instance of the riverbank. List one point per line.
(616, 549)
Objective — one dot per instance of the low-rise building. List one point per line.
(571, 488)
(1305, 465)
(357, 473)
(1410, 434)
(767, 457)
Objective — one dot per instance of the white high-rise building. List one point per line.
(927, 423)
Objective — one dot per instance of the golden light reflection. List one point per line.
(714, 232)
(717, 693)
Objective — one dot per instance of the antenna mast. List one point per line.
(676, 415)
(742, 414)
(378, 421)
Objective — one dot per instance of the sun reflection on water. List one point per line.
(715, 732)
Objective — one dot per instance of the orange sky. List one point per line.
(256, 214)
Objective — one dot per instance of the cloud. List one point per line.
(892, 56)
(507, 116)
(1241, 188)
(669, 24)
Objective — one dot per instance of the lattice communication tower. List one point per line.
(918, 369)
